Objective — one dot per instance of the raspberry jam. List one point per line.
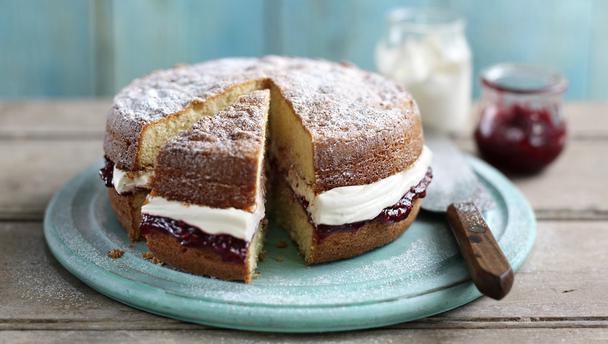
(521, 129)
(106, 173)
(395, 213)
(519, 138)
(231, 249)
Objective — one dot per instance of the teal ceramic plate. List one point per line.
(418, 275)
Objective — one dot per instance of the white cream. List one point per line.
(127, 181)
(348, 204)
(235, 222)
(432, 60)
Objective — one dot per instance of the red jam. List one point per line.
(395, 213)
(520, 138)
(231, 249)
(521, 130)
(106, 173)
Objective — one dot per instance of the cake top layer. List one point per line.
(237, 132)
(168, 91)
(329, 95)
(336, 102)
(217, 163)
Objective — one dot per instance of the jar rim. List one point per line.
(423, 19)
(523, 78)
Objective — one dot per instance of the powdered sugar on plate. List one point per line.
(418, 274)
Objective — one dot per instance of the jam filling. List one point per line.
(395, 213)
(231, 249)
(234, 250)
(106, 173)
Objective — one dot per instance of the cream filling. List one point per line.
(348, 204)
(127, 181)
(238, 223)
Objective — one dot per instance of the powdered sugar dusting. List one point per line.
(334, 101)
(236, 131)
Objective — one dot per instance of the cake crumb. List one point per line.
(150, 257)
(115, 253)
(281, 244)
(147, 255)
(279, 258)
(262, 255)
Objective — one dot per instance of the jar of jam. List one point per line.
(521, 129)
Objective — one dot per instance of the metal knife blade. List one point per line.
(456, 190)
(453, 178)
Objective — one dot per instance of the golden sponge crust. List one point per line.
(204, 260)
(128, 210)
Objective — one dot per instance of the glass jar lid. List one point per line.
(523, 79)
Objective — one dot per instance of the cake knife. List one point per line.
(455, 190)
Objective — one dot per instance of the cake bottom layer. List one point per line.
(204, 260)
(292, 216)
(128, 210)
(318, 244)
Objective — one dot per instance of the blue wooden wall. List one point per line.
(73, 48)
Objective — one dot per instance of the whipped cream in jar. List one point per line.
(426, 51)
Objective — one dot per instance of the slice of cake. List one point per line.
(205, 213)
(349, 159)
(347, 221)
(148, 113)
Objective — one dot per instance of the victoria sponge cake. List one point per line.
(199, 156)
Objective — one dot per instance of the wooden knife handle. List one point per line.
(489, 268)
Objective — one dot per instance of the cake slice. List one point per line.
(347, 221)
(142, 120)
(205, 213)
(350, 169)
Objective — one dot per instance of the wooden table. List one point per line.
(561, 293)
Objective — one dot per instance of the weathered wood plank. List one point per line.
(372, 336)
(61, 137)
(573, 188)
(585, 120)
(83, 117)
(57, 119)
(562, 285)
(33, 170)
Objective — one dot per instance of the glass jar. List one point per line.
(426, 51)
(521, 128)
